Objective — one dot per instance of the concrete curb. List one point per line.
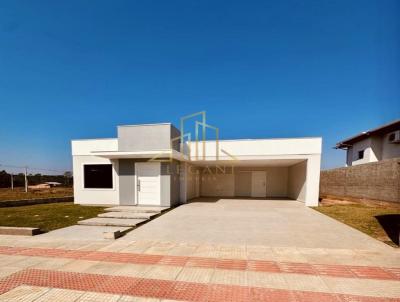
(19, 231)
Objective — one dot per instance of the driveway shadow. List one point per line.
(391, 224)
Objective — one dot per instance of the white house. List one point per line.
(372, 145)
(150, 165)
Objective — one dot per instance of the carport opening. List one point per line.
(279, 181)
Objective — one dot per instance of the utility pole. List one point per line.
(12, 182)
(26, 179)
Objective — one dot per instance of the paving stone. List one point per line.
(53, 264)
(192, 274)
(98, 297)
(104, 268)
(78, 266)
(363, 287)
(160, 248)
(8, 270)
(137, 299)
(163, 272)
(305, 283)
(258, 279)
(183, 249)
(60, 295)
(133, 270)
(136, 246)
(23, 294)
(259, 252)
(229, 277)
(28, 262)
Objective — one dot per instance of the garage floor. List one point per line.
(279, 223)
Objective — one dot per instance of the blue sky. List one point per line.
(76, 69)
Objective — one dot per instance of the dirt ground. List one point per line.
(19, 193)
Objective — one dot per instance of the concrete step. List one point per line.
(83, 232)
(137, 209)
(127, 215)
(122, 222)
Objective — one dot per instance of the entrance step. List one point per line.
(83, 232)
(127, 215)
(137, 209)
(122, 222)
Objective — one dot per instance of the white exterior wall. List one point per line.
(389, 150)
(257, 148)
(279, 179)
(375, 148)
(303, 181)
(297, 182)
(237, 152)
(369, 155)
(94, 196)
(215, 184)
(239, 182)
(165, 189)
(81, 154)
(193, 182)
(312, 180)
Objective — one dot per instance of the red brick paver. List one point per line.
(166, 289)
(344, 271)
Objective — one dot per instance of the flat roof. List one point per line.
(392, 126)
(147, 124)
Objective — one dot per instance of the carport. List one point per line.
(256, 172)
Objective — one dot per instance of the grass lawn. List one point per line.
(19, 193)
(380, 222)
(47, 217)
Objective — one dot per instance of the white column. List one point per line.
(312, 180)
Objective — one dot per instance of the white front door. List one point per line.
(258, 184)
(148, 183)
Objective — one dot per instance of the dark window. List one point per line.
(361, 154)
(392, 136)
(98, 176)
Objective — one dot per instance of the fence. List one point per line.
(377, 180)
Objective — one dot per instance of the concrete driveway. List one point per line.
(279, 223)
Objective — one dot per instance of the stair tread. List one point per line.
(137, 209)
(111, 221)
(127, 215)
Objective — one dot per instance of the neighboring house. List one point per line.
(144, 165)
(373, 145)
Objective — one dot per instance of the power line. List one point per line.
(31, 168)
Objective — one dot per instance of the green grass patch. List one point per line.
(381, 223)
(47, 217)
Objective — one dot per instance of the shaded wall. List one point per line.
(297, 177)
(237, 181)
(377, 180)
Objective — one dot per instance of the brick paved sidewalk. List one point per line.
(165, 271)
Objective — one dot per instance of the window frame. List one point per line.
(99, 189)
(360, 152)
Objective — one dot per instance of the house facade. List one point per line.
(372, 145)
(151, 165)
